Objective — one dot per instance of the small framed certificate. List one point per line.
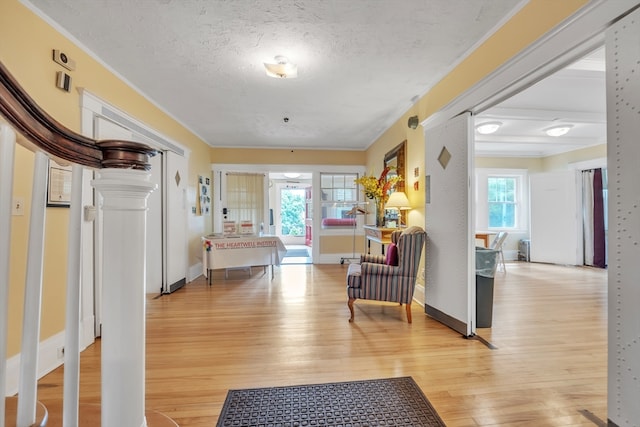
(59, 185)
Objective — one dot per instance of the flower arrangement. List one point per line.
(378, 190)
(207, 245)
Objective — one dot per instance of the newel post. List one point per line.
(125, 193)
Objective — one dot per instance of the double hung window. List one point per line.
(501, 199)
(339, 193)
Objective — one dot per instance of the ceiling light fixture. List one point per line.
(282, 69)
(291, 175)
(558, 130)
(487, 128)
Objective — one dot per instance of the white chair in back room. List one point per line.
(496, 245)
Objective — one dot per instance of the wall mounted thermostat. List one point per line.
(62, 59)
(63, 81)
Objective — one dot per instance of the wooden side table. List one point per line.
(380, 235)
(484, 236)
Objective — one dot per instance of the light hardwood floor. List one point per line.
(549, 327)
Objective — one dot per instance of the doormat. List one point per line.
(297, 253)
(381, 402)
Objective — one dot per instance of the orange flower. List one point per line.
(378, 188)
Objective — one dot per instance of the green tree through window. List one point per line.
(502, 201)
(292, 212)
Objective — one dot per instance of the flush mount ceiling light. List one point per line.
(487, 128)
(282, 68)
(558, 130)
(291, 175)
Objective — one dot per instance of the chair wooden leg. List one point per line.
(350, 304)
(409, 312)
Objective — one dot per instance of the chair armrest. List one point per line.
(382, 270)
(375, 259)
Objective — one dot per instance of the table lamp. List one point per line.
(398, 200)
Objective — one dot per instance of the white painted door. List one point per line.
(556, 221)
(450, 256)
(176, 247)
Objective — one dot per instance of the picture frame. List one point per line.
(204, 196)
(58, 185)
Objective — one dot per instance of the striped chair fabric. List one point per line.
(372, 279)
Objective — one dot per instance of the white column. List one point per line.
(28, 385)
(72, 324)
(7, 154)
(124, 208)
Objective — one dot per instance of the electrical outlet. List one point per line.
(18, 206)
(60, 352)
(421, 279)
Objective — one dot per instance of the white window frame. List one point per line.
(522, 198)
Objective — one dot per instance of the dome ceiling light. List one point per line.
(488, 128)
(282, 68)
(558, 130)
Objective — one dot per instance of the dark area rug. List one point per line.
(382, 402)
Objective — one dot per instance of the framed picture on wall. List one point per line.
(58, 185)
(204, 195)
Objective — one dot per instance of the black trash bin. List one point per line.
(486, 264)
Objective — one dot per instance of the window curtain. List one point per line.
(599, 258)
(245, 198)
(593, 218)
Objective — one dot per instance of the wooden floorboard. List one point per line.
(549, 327)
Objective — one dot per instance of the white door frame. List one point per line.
(91, 108)
(219, 182)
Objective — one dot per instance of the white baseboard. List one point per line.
(87, 331)
(48, 360)
(336, 258)
(48, 355)
(195, 271)
(511, 255)
(418, 295)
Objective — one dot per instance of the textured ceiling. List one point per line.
(362, 63)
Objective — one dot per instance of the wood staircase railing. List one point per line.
(124, 184)
(28, 119)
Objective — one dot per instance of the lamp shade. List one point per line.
(398, 200)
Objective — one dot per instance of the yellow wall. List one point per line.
(535, 19)
(544, 164)
(286, 156)
(26, 45)
(532, 164)
(341, 244)
(562, 161)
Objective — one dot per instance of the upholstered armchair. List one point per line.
(388, 278)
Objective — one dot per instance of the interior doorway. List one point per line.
(291, 214)
(290, 227)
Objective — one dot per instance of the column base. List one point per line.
(89, 414)
(11, 413)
